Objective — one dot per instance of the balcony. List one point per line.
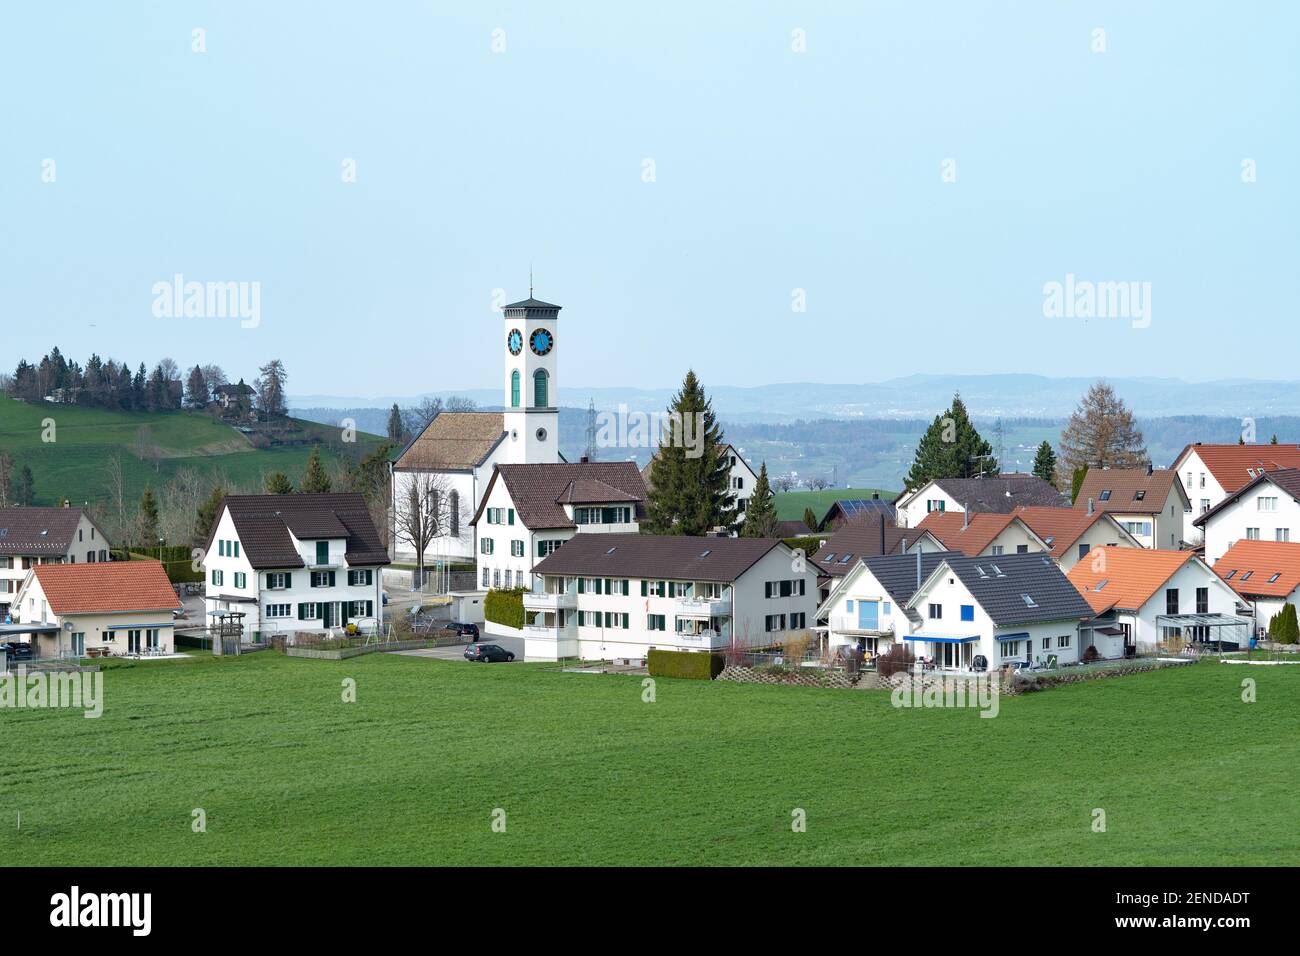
(550, 600)
(844, 624)
(703, 606)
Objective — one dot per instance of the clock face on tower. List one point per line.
(515, 341)
(541, 341)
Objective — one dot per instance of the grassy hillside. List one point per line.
(73, 466)
(587, 774)
(790, 505)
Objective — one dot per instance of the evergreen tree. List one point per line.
(1284, 627)
(1076, 482)
(314, 480)
(207, 515)
(951, 448)
(25, 487)
(196, 389)
(1273, 440)
(395, 429)
(1045, 463)
(148, 527)
(278, 483)
(760, 513)
(689, 477)
(810, 519)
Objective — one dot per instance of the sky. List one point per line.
(766, 192)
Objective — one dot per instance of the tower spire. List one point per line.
(530, 280)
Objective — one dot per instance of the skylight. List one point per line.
(1228, 576)
(612, 550)
(1276, 575)
(1029, 602)
(1105, 495)
(1101, 584)
(996, 570)
(1049, 539)
(831, 556)
(1246, 576)
(845, 559)
(706, 553)
(1139, 494)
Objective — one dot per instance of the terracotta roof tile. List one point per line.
(1250, 567)
(1229, 463)
(1131, 575)
(1126, 490)
(106, 586)
(969, 533)
(1061, 527)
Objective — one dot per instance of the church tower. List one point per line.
(532, 420)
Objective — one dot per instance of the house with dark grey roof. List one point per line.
(281, 564)
(31, 536)
(993, 494)
(848, 509)
(869, 536)
(867, 604)
(604, 596)
(528, 511)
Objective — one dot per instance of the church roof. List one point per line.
(454, 441)
(531, 303)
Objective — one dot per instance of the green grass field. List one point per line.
(587, 773)
(73, 466)
(790, 505)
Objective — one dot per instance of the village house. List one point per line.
(280, 564)
(1146, 601)
(31, 536)
(111, 608)
(603, 596)
(1266, 575)
(528, 511)
(1149, 504)
(1210, 473)
(1266, 508)
(983, 533)
(844, 510)
(993, 494)
(1071, 533)
(868, 535)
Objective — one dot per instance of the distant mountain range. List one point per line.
(913, 396)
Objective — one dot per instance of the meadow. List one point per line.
(582, 771)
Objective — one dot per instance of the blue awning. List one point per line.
(1018, 636)
(941, 640)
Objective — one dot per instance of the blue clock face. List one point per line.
(515, 341)
(541, 341)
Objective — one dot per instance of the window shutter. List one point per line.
(672, 589)
(803, 583)
(644, 592)
(598, 586)
(512, 515)
(331, 579)
(302, 611)
(288, 580)
(370, 609)
(767, 589)
(582, 585)
(625, 620)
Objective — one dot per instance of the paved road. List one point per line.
(457, 652)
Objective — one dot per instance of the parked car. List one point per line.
(17, 650)
(487, 653)
(461, 630)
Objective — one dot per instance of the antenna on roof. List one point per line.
(530, 280)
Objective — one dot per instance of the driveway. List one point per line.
(456, 652)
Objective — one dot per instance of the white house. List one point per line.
(1265, 574)
(1266, 508)
(1210, 473)
(1149, 504)
(530, 510)
(297, 562)
(961, 613)
(619, 595)
(867, 536)
(450, 463)
(982, 533)
(114, 608)
(1072, 533)
(31, 536)
(993, 494)
(1142, 598)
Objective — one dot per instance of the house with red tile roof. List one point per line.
(1210, 473)
(1070, 534)
(983, 533)
(1266, 574)
(118, 608)
(1150, 504)
(1267, 508)
(1147, 601)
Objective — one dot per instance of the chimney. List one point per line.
(875, 496)
(1090, 506)
(584, 460)
(965, 518)
(1150, 468)
(904, 551)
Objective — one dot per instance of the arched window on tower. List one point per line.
(514, 389)
(539, 389)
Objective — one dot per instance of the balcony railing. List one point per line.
(844, 624)
(550, 601)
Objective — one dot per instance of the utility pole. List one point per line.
(590, 453)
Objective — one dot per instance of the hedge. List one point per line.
(689, 664)
(808, 543)
(177, 561)
(505, 607)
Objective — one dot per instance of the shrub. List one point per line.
(1091, 654)
(688, 664)
(897, 660)
(796, 645)
(505, 607)
(808, 544)
(1284, 628)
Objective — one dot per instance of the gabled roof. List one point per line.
(1015, 589)
(540, 491)
(853, 507)
(860, 538)
(972, 533)
(1128, 490)
(1286, 480)
(106, 586)
(1232, 465)
(1062, 527)
(902, 574)
(676, 557)
(38, 531)
(998, 494)
(263, 523)
(1125, 578)
(454, 441)
(1261, 568)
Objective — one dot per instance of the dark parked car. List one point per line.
(463, 630)
(487, 653)
(17, 650)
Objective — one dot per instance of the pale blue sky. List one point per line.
(775, 170)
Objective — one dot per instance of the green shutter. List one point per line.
(331, 579)
(302, 611)
(288, 580)
(370, 609)
(643, 589)
(582, 585)
(581, 623)
(599, 583)
(672, 588)
(512, 515)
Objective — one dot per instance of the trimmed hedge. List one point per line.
(688, 664)
(505, 607)
(809, 543)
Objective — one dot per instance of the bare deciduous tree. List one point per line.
(425, 507)
(116, 491)
(1101, 433)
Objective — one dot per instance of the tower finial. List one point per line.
(530, 280)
